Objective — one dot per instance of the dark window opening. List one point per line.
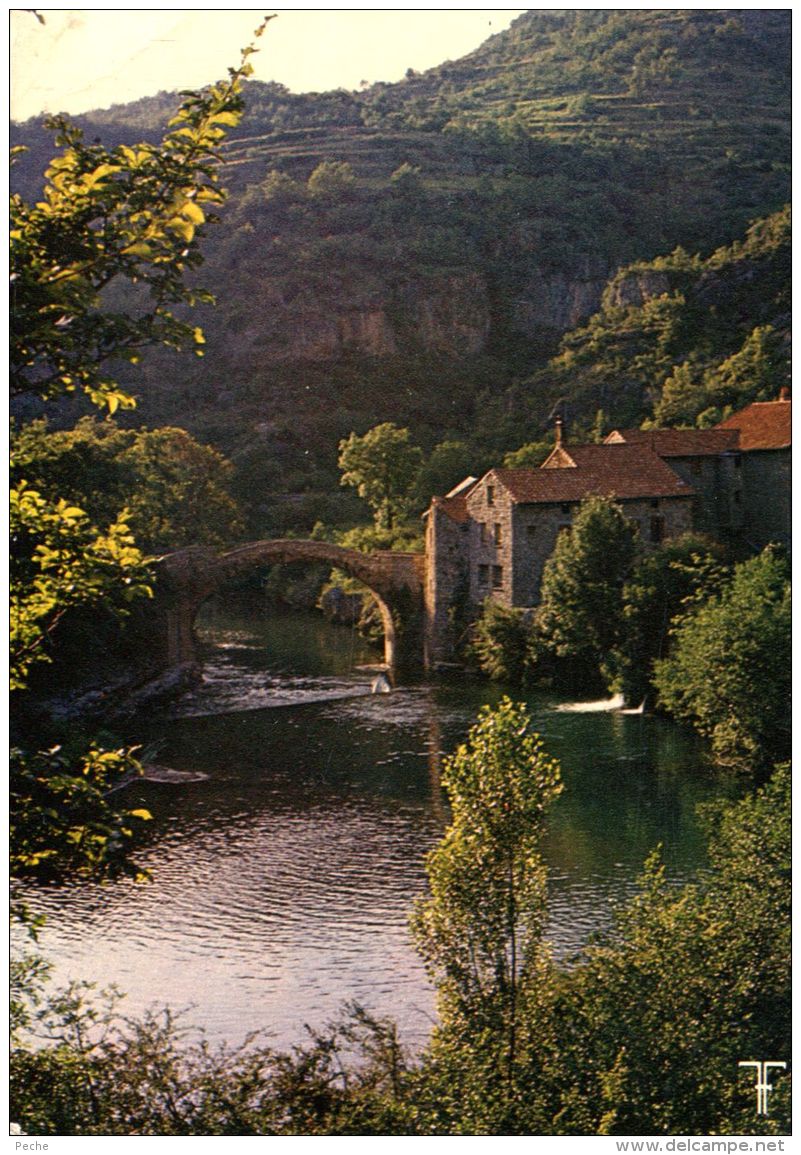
(566, 508)
(497, 577)
(490, 495)
(498, 534)
(655, 503)
(657, 529)
(483, 575)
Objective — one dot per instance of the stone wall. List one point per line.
(445, 586)
(767, 497)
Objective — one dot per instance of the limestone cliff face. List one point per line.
(448, 313)
(558, 301)
(635, 287)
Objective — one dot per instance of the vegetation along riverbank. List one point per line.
(513, 334)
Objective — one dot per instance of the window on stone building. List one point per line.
(657, 529)
(566, 507)
(738, 461)
(531, 531)
(498, 534)
(497, 577)
(490, 495)
(655, 503)
(483, 575)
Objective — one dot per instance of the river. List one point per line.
(285, 863)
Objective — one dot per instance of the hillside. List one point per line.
(416, 252)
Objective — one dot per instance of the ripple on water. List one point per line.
(282, 884)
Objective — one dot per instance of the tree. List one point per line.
(128, 214)
(580, 616)
(382, 467)
(660, 586)
(528, 456)
(729, 670)
(499, 642)
(331, 179)
(447, 464)
(61, 561)
(655, 1018)
(174, 489)
(480, 931)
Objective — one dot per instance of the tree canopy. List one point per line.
(382, 466)
(729, 669)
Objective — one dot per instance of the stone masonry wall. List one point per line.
(490, 542)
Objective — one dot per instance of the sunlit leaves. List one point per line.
(62, 821)
(131, 213)
(60, 561)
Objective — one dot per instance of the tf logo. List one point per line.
(763, 1087)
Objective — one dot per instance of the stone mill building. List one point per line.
(491, 536)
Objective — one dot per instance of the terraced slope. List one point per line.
(415, 252)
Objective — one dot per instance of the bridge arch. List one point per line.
(187, 578)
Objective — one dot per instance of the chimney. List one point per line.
(558, 432)
(784, 393)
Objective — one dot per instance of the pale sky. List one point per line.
(82, 59)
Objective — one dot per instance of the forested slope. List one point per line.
(417, 252)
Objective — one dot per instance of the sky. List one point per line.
(82, 59)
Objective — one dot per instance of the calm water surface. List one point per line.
(284, 874)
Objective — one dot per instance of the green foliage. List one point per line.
(684, 334)
(499, 642)
(729, 668)
(60, 561)
(174, 489)
(445, 466)
(480, 932)
(102, 1074)
(691, 979)
(62, 822)
(529, 456)
(331, 179)
(756, 372)
(580, 616)
(382, 467)
(661, 585)
(134, 213)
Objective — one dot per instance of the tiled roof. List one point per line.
(622, 471)
(763, 425)
(454, 507)
(678, 442)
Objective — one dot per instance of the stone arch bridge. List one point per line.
(187, 578)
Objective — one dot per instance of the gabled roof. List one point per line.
(763, 425)
(574, 472)
(454, 503)
(679, 442)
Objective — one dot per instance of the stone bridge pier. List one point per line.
(188, 577)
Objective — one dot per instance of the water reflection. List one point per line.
(283, 880)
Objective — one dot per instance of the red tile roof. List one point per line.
(763, 425)
(621, 471)
(678, 442)
(454, 504)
